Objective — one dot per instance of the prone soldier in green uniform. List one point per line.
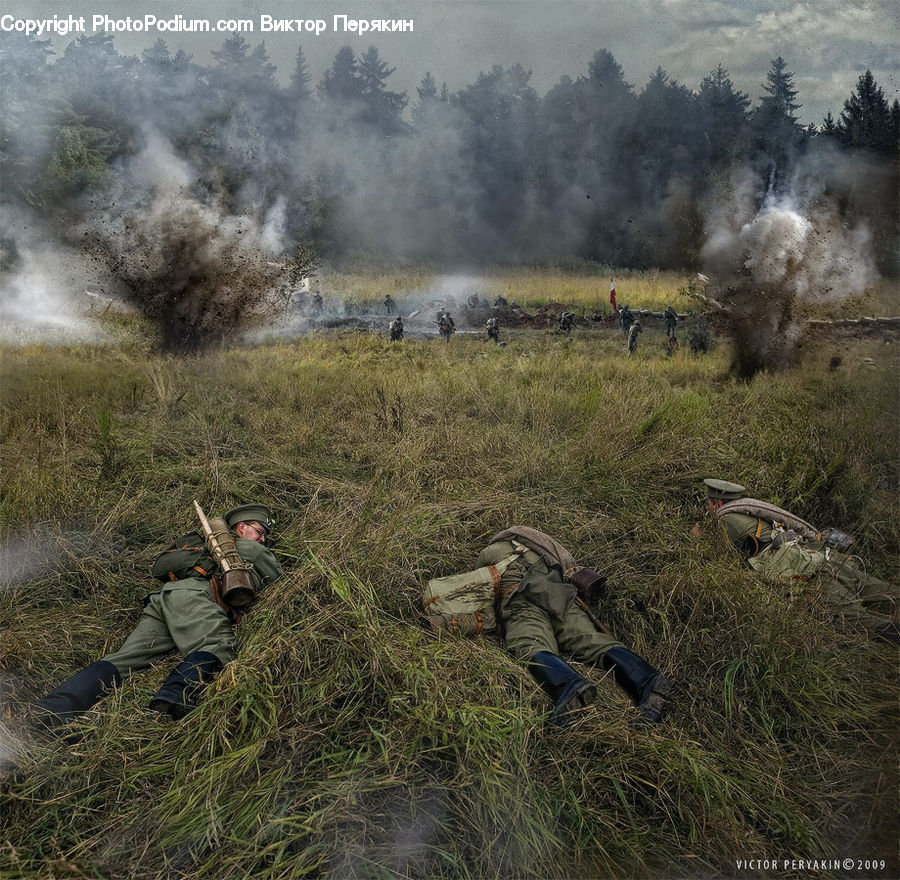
(187, 615)
(786, 551)
(544, 615)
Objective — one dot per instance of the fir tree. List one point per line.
(866, 118)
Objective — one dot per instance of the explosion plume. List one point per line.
(772, 255)
(199, 273)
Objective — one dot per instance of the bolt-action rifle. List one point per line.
(237, 583)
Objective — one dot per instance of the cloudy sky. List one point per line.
(827, 43)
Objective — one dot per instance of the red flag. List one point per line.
(612, 295)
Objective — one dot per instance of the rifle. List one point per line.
(237, 584)
(598, 624)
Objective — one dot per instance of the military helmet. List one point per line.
(722, 490)
(251, 513)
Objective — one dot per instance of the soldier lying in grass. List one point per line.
(187, 614)
(543, 600)
(788, 552)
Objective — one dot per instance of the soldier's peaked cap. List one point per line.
(251, 513)
(722, 490)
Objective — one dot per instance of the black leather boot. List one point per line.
(568, 690)
(76, 695)
(645, 685)
(182, 688)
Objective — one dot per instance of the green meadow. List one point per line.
(348, 742)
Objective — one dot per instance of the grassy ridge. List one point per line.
(344, 741)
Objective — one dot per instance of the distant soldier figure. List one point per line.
(446, 326)
(566, 320)
(633, 332)
(671, 319)
(317, 303)
(790, 554)
(500, 301)
(473, 301)
(626, 319)
(389, 305)
(493, 329)
(396, 328)
(596, 316)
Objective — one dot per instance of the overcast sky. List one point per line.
(826, 43)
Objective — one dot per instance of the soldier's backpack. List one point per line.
(788, 563)
(777, 516)
(463, 603)
(784, 519)
(185, 558)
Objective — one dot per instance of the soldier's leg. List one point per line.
(877, 594)
(202, 632)
(578, 636)
(842, 603)
(860, 598)
(647, 687)
(149, 641)
(77, 694)
(527, 629)
(529, 636)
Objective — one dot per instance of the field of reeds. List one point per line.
(347, 742)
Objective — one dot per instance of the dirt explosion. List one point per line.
(199, 273)
(772, 257)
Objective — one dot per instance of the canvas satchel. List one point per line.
(464, 603)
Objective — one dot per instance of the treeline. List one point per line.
(593, 169)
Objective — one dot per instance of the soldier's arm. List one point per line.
(261, 558)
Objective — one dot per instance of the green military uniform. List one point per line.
(184, 616)
(539, 612)
(543, 617)
(633, 333)
(806, 567)
(671, 318)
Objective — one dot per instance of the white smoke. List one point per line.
(157, 168)
(773, 255)
(797, 242)
(23, 559)
(43, 290)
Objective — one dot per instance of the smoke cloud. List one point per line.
(45, 287)
(197, 271)
(771, 254)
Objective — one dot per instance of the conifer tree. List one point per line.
(866, 118)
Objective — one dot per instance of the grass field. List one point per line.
(347, 742)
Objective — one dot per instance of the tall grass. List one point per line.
(345, 741)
